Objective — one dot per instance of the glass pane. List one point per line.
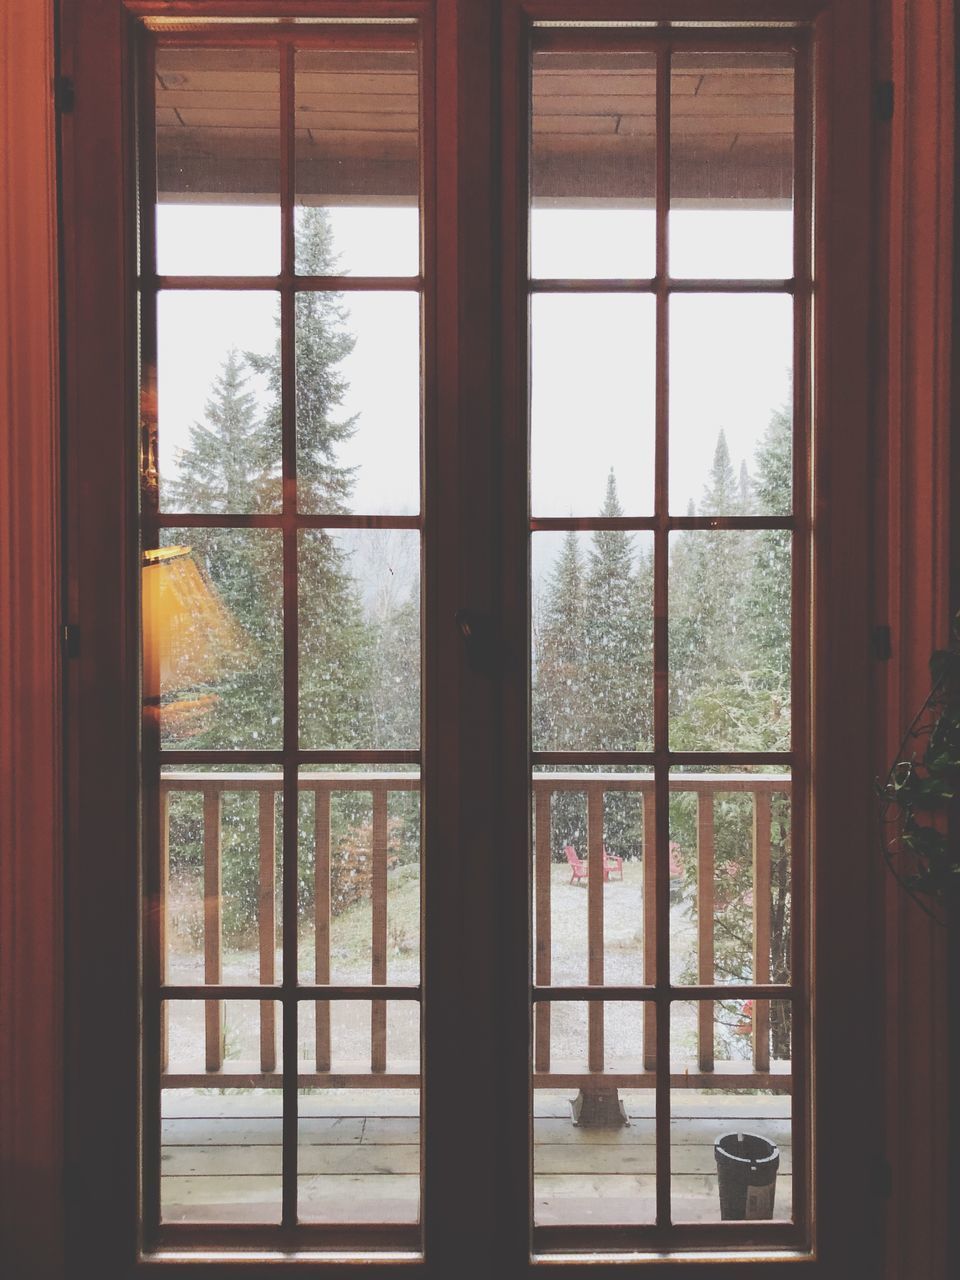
(731, 1122)
(215, 1043)
(731, 165)
(359, 875)
(729, 633)
(358, 143)
(218, 377)
(358, 400)
(593, 404)
(230, 1049)
(592, 640)
(731, 908)
(594, 1151)
(221, 1155)
(593, 166)
(359, 1106)
(212, 645)
(218, 161)
(731, 360)
(360, 639)
(223, 855)
(617, 928)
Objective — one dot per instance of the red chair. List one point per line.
(577, 866)
(580, 869)
(611, 862)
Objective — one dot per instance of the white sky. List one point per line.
(592, 355)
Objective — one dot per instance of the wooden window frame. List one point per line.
(291, 993)
(657, 992)
(31, 855)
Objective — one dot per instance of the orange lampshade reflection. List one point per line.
(189, 636)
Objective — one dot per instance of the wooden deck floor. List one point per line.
(359, 1157)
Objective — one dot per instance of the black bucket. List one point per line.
(747, 1175)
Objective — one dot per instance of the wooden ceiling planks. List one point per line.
(356, 126)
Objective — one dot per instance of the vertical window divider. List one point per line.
(153, 889)
(800, 974)
(291, 634)
(660, 647)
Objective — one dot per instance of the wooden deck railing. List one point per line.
(705, 787)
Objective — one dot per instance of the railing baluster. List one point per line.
(267, 923)
(761, 926)
(595, 1052)
(321, 919)
(543, 849)
(705, 910)
(212, 934)
(164, 916)
(378, 1009)
(649, 925)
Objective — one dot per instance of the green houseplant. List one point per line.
(920, 796)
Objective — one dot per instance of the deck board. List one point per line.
(222, 1157)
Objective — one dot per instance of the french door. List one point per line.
(466, 490)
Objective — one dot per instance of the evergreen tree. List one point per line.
(560, 696)
(711, 674)
(390, 561)
(769, 606)
(619, 663)
(334, 638)
(616, 651)
(770, 579)
(226, 467)
(742, 687)
(322, 342)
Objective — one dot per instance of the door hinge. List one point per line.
(881, 643)
(884, 100)
(71, 640)
(64, 94)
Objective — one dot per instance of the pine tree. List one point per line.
(740, 594)
(322, 342)
(710, 662)
(227, 466)
(334, 639)
(769, 605)
(560, 700)
(616, 658)
(770, 579)
(619, 663)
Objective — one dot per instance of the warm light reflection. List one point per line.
(189, 637)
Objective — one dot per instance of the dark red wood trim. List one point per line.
(462, 823)
(846, 1210)
(31, 834)
(102, 683)
(917, 196)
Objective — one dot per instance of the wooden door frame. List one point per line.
(31, 969)
(33, 717)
